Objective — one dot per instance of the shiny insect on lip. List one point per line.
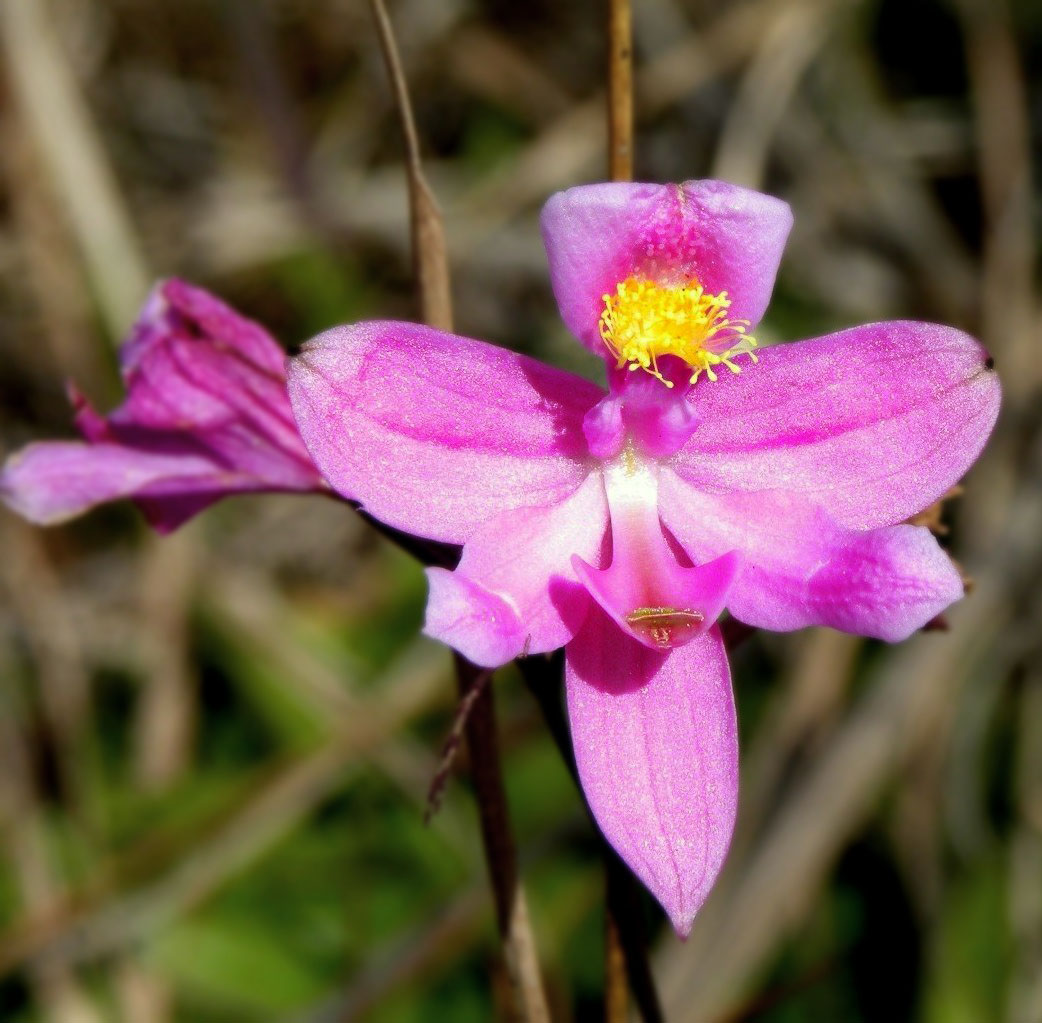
(661, 624)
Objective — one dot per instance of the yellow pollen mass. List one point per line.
(642, 321)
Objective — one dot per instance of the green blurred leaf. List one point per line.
(968, 977)
(234, 964)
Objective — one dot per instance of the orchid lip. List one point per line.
(646, 590)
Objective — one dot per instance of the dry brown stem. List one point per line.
(515, 927)
(430, 258)
(430, 255)
(616, 993)
(620, 90)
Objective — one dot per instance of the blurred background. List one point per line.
(215, 749)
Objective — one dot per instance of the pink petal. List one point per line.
(728, 238)
(656, 746)
(873, 423)
(50, 482)
(521, 561)
(195, 367)
(800, 567)
(206, 316)
(471, 619)
(436, 434)
(206, 414)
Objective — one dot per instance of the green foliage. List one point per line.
(972, 957)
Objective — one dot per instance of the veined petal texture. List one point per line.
(52, 481)
(873, 423)
(521, 561)
(800, 567)
(436, 434)
(656, 746)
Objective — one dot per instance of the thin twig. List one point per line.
(450, 748)
(430, 259)
(616, 993)
(626, 919)
(500, 852)
(620, 91)
(429, 251)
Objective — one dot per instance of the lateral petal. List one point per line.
(799, 567)
(51, 481)
(873, 423)
(728, 238)
(436, 434)
(521, 561)
(656, 746)
(466, 616)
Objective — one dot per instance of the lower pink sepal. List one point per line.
(656, 746)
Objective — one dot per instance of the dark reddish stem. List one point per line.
(500, 852)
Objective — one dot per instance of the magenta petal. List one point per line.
(524, 557)
(656, 746)
(800, 568)
(436, 434)
(478, 623)
(872, 423)
(206, 414)
(728, 238)
(196, 369)
(50, 482)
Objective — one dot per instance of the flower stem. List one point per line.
(515, 929)
(429, 252)
(430, 259)
(625, 925)
(625, 953)
(620, 91)
(625, 956)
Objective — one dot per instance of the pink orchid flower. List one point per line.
(620, 525)
(206, 415)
